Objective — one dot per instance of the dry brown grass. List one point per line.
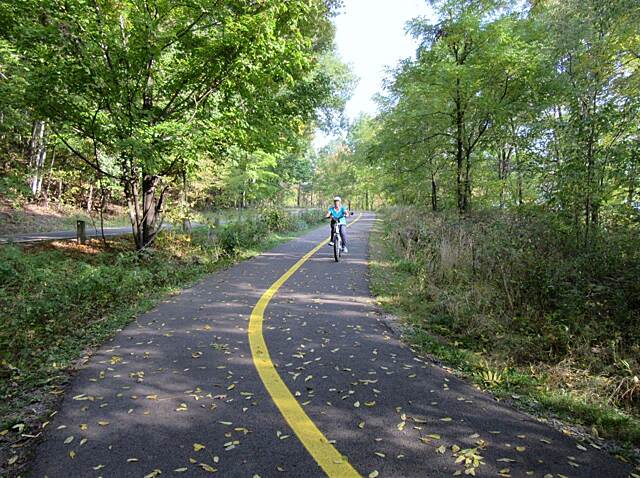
(27, 218)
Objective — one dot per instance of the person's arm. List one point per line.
(327, 215)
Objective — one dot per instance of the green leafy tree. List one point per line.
(138, 81)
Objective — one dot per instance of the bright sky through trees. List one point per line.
(370, 36)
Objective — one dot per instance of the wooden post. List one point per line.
(186, 225)
(81, 232)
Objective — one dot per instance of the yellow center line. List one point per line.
(330, 460)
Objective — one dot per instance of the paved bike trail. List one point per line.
(177, 393)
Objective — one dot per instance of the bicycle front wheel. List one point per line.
(336, 249)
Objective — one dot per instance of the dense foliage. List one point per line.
(504, 107)
(508, 299)
(161, 105)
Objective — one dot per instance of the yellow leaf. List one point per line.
(12, 460)
(72, 454)
(68, 440)
(208, 468)
(198, 447)
(361, 425)
(374, 474)
(181, 470)
(103, 423)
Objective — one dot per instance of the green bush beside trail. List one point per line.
(535, 308)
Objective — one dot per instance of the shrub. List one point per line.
(250, 231)
(523, 286)
(242, 234)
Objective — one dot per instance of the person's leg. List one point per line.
(343, 235)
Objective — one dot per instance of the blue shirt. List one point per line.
(340, 215)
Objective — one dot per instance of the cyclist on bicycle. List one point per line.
(338, 215)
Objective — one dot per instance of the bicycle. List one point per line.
(336, 238)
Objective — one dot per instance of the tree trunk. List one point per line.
(103, 205)
(588, 206)
(501, 175)
(46, 193)
(459, 151)
(131, 194)
(90, 198)
(434, 194)
(37, 156)
(466, 198)
(150, 208)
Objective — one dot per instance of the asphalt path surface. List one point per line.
(177, 392)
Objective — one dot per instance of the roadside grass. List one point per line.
(58, 300)
(396, 287)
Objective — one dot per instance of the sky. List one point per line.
(370, 37)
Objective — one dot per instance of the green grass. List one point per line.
(394, 283)
(59, 299)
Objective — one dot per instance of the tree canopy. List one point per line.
(146, 94)
(507, 105)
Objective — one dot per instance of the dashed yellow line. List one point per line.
(330, 460)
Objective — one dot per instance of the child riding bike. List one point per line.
(338, 215)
